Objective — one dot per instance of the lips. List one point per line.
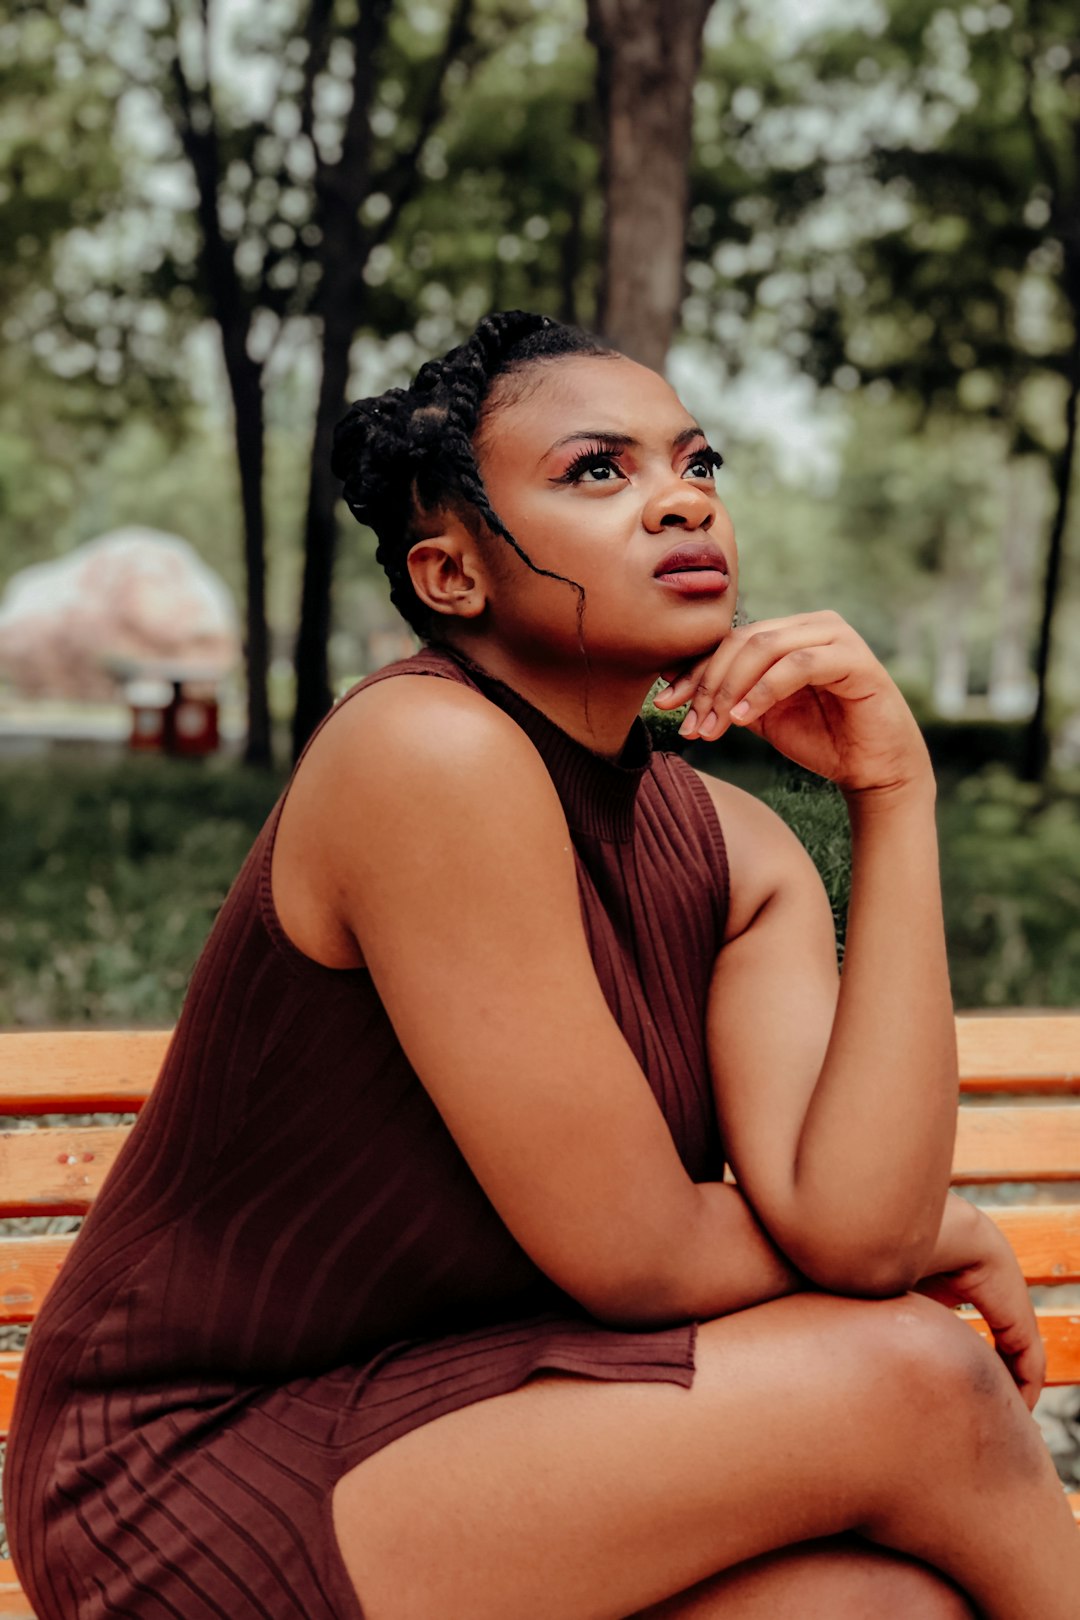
(690, 558)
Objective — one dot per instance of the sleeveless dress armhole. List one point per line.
(263, 852)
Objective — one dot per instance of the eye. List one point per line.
(597, 470)
(704, 464)
(596, 465)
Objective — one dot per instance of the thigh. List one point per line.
(838, 1578)
(589, 1500)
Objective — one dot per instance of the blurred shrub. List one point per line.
(1011, 881)
(109, 880)
(1010, 877)
(816, 813)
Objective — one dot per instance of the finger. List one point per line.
(740, 663)
(1027, 1366)
(806, 666)
(683, 680)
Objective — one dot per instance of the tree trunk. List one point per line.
(341, 189)
(195, 122)
(648, 58)
(245, 381)
(346, 245)
(1036, 738)
(313, 694)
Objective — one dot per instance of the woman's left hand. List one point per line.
(989, 1278)
(811, 686)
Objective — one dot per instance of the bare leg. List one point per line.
(841, 1578)
(808, 1417)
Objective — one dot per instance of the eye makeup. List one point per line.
(602, 452)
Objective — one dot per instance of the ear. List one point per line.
(448, 573)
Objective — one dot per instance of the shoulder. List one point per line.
(424, 748)
(765, 857)
(414, 774)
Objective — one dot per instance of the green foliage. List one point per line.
(110, 881)
(1011, 878)
(817, 815)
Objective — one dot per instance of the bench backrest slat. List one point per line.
(1018, 1143)
(56, 1171)
(1015, 1051)
(28, 1267)
(79, 1072)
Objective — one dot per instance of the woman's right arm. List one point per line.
(435, 834)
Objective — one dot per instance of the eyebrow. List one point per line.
(625, 441)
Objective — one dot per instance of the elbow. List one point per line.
(867, 1273)
(633, 1303)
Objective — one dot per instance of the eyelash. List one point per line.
(608, 454)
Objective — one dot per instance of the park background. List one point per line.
(850, 232)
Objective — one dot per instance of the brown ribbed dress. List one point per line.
(291, 1263)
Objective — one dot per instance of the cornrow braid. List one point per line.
(413, 447)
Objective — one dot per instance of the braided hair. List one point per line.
(411, 450)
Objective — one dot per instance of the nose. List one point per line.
(679, 506)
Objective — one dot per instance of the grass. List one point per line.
(110, 877)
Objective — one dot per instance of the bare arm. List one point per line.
(837, 1098)
(451, 865)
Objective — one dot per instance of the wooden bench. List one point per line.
(1020, 1122)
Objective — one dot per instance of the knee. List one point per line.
(947, 1379)
(903, 1591)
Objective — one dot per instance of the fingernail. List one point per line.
(709, 725)
(688, 724)
(741, 710)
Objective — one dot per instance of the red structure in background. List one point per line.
(174, 712)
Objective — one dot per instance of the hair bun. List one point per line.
(350, 436)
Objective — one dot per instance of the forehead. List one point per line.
(587, 393)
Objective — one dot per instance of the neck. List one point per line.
(615, 697)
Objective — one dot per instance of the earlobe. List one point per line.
(446, 578)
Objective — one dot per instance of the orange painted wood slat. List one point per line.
(1018, 1144)
(28, 1268)
(93, 1071)
(1060, 1334)
(1045, 1239)
(109, 1070)
(56, 1170)
(14, 1604)
(59, 1171)
(10, 1361)
(1019, 1052)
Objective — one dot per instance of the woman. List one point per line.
(417, 1290)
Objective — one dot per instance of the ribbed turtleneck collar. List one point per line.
(597, 794)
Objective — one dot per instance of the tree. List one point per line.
(309, 247)
(904, 212)
(648, 58)
(345, 242)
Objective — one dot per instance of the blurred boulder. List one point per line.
(129, 602)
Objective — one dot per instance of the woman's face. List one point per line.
(600, 473)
